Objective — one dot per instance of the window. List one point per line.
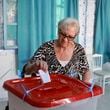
(1, 24)
(11, 25)
(8, 24)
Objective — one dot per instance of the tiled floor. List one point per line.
(103, 102)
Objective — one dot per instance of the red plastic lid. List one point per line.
(62, 89)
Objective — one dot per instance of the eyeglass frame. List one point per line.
(69, 37)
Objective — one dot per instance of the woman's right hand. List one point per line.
(40, 64)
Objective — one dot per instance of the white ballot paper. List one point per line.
(45, 77)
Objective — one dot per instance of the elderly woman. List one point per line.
(62, 55)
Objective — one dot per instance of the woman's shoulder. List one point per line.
(79, 46)
(48, 43)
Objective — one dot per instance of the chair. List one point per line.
(97, 61)
(99, 71)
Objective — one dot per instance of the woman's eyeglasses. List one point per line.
(69, 37)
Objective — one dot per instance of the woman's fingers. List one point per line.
(42, 65)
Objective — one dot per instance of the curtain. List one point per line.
(71, 8)
(37, 24)
(102, 29)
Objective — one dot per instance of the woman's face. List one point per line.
(66, 37)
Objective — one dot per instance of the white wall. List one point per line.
(7, 69)
(86, 19)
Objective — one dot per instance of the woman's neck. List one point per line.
(63, 53)
(61, 48)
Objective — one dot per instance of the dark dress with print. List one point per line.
(78, 64)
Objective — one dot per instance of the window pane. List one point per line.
(11, 11)
(1, 24)
(11, 23)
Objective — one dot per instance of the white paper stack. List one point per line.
(45, 77)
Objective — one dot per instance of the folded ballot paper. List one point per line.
(45, 77)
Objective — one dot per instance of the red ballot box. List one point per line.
(62, 93)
